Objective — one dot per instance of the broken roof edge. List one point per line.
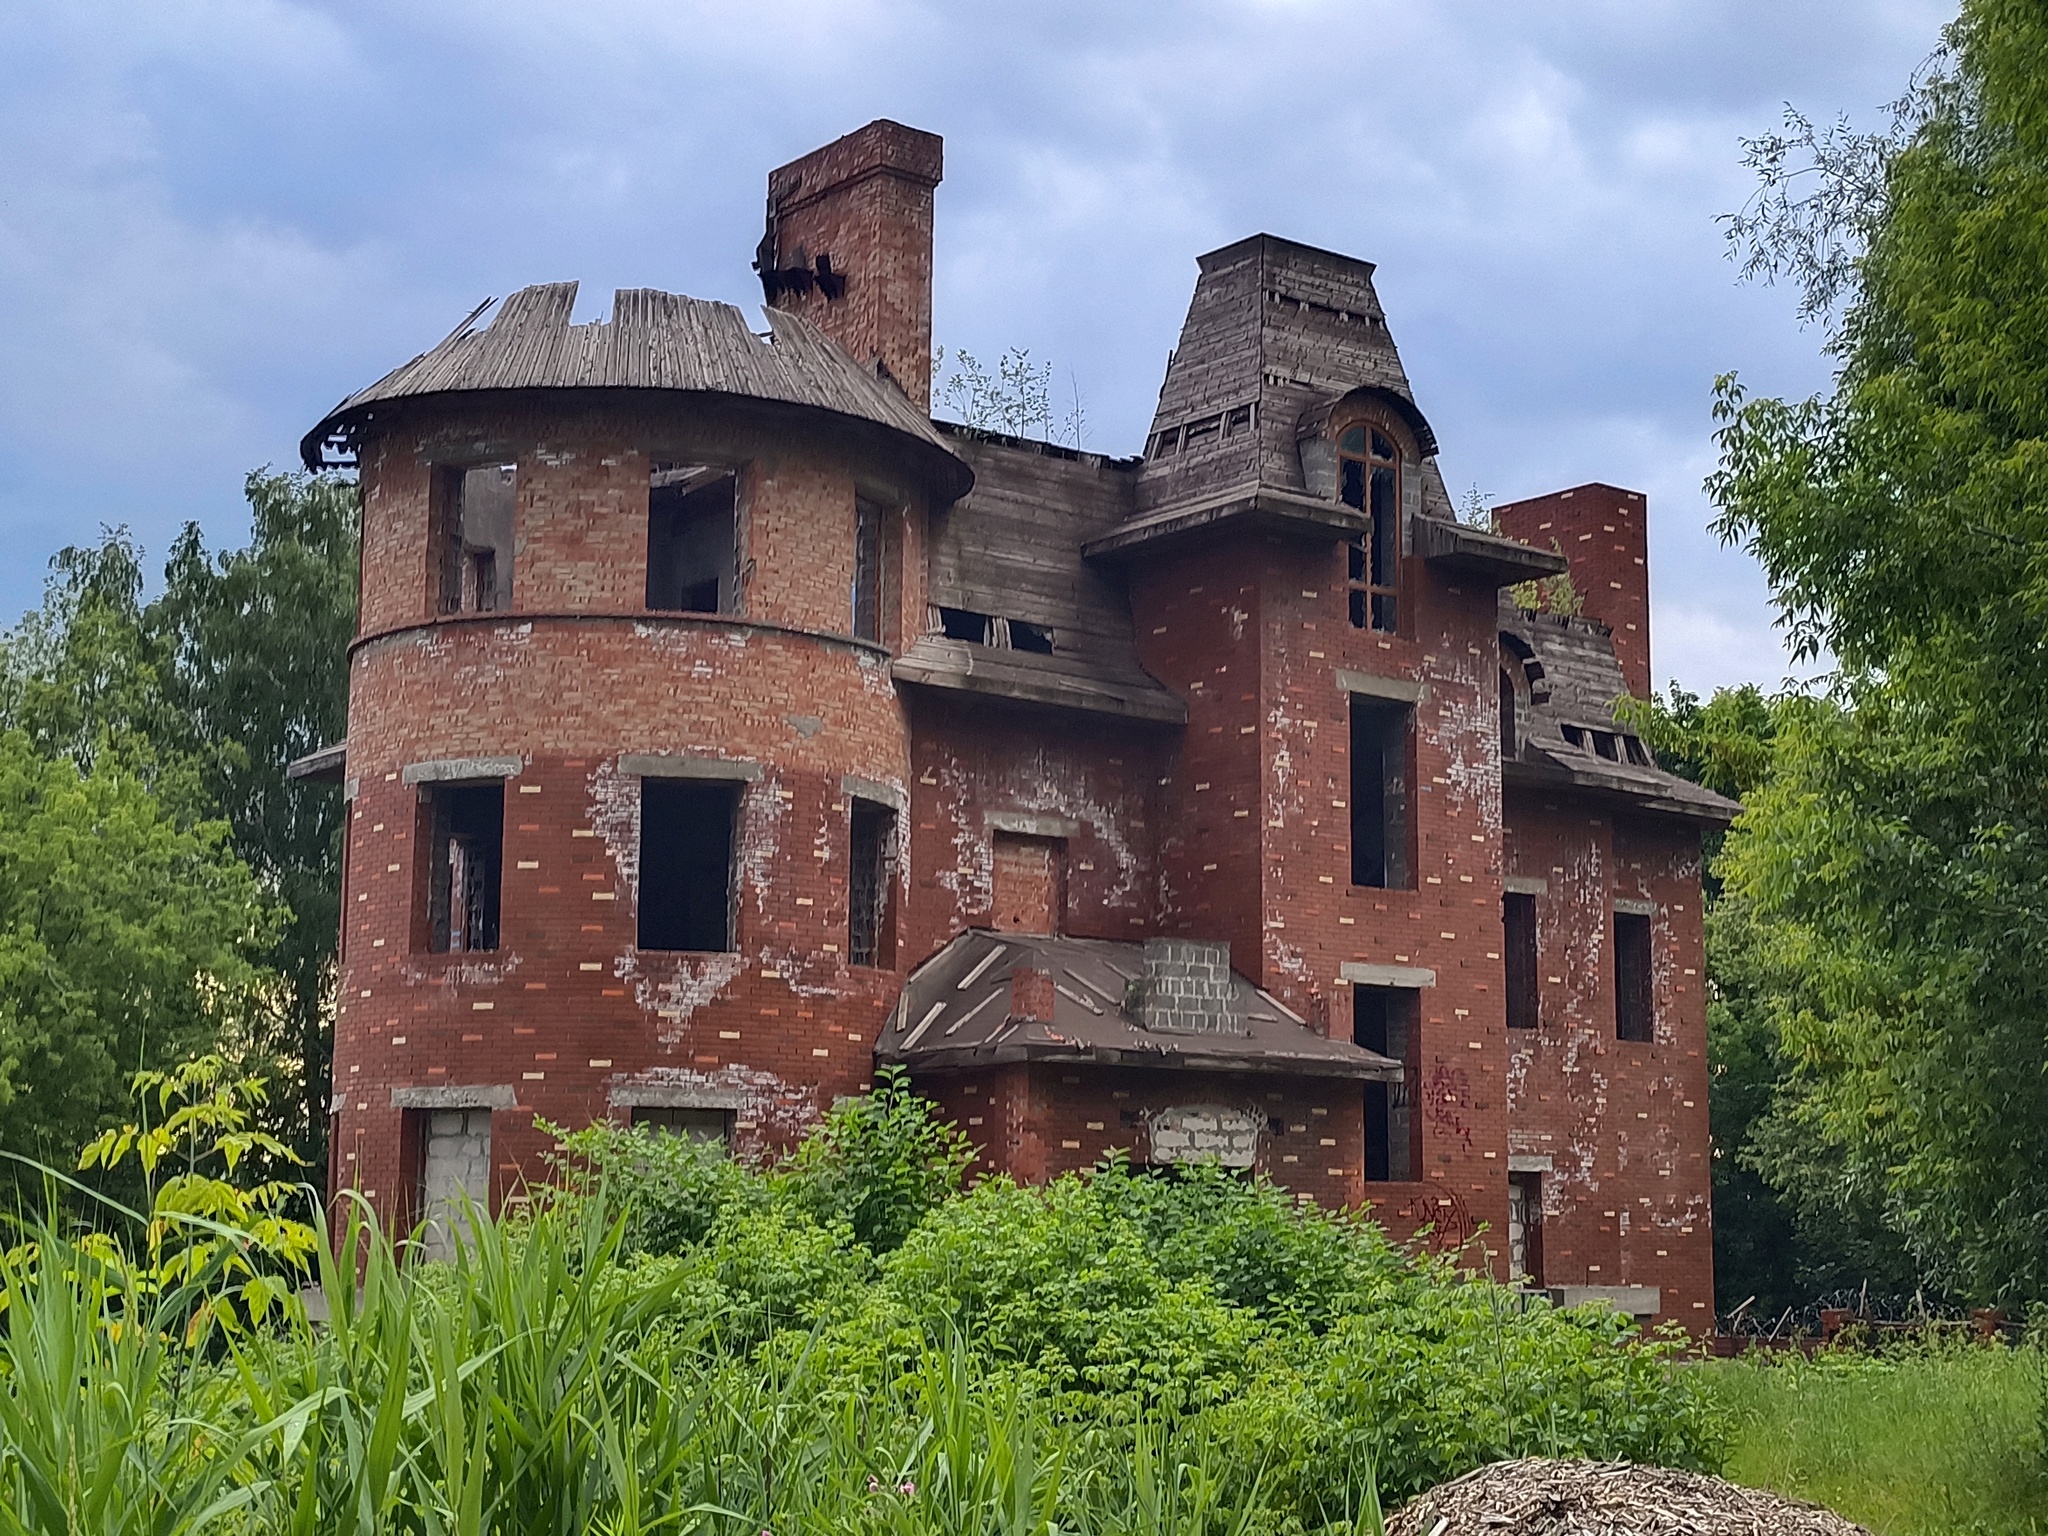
(1179, 1056)
(324, 765)
(1260, 506)
(1649, 789)
(1025, 677)
(1488, 556)
(1041, 446)
(654, 343)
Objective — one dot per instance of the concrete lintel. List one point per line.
(1636, 1300)
(452, 1096)
(676, 765)
(351, 789)
(1635, 908)
(1402, 689)
(676, 1096)
(1361, 973)
(873, 789)
(1526, 885)
(445, 770)
(1032, 823)
(1529, 1162)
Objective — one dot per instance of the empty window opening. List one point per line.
(691, 567)
(1199, 432)
(1510, 743)
(1518, 921)
(1634, 1010)
(709, 1125)
(1238, 420)
(964, 624)
(1603, 743)
(463, 842)
(871, 935)
(1166, 443)
(454, 1150)
(1383, 1019)
(1370, 482)
(686, 864)
(1379, 793)
(1035, 638)
(867, 570)
(472, 538)
(1572, 734)
(1030, 883)
(1525, 1229)
(1637, 752)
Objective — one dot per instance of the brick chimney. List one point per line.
(1604, 532)
(1033, 992)
(849, 247)
(1189, 989)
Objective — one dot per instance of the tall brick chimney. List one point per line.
(849, 247)
(1604, 532)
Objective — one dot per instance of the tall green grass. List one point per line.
(1934, 1439)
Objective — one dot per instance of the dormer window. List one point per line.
(1369, 481)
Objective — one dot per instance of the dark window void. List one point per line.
(1379, 793)
(1518, 921)
(714, 1125)
(1525, 1229)
(686, 864)
(464, 845)
(1370, 482)
(1634, 1015)
(691, 566)
(1603, 744)
(964, 624)
(1384, 1019)
(472, 538)
(1035, 638)
(871, 928)
(867, 570)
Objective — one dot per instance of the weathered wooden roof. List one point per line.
(1574, 681)
(955, 1012)
(653, 340)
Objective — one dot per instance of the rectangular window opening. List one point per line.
(462, 839)
(1525, 1229)
(964, 624)
(1198, 432)
(1518, 920)
(472, 538)
(867, 570)
(708, 1125)
(1035, 638)
(1384, 1019)
(1634, 1010)
(691, 562)
(454, 1162)
(871, 926)
(687, 890)
(1239, 420)
(1603, 744)
(1379, 793)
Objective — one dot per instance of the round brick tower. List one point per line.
(626, 766)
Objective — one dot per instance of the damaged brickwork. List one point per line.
(721, 725)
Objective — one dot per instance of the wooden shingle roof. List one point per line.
(653, 341)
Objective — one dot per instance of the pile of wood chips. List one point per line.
(1541, 1497)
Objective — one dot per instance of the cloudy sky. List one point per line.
(217, 217)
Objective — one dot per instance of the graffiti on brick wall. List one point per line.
(1439, 1215)
(1445, 1097)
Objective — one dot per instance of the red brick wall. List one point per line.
(1051, 1120)
(1628, 1198)
(866, 201)
(1604, 532)
(970, 759)
(1263, 626)
(577, 674)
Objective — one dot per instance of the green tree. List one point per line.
(128, 939)
(1897, 856)
(204, 694)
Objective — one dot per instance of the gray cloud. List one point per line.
(218, 216)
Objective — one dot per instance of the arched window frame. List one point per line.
(1373, 453)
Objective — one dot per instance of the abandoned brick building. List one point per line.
(721, 726)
